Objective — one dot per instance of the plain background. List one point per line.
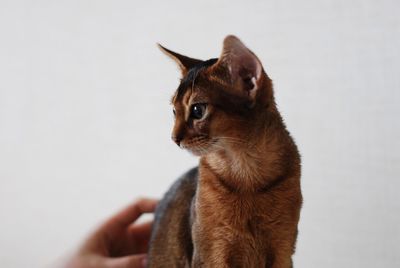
(85, 118)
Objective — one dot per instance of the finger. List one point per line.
(141, 229)
(133, 261)
(133, 211)
(140, 236)
(132, 240)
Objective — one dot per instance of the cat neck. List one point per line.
(254, 165)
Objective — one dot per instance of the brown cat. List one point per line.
(241, 206)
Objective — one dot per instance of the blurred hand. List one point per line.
(118, 243)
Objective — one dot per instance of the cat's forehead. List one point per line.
(193, 94)
(190, 82)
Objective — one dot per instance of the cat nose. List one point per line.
(177, 139)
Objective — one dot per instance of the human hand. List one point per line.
(117, 243)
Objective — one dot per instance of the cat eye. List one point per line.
(197, 110)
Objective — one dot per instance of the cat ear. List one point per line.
(244, 67)
(185, 63)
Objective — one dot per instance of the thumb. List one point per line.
(132, 261)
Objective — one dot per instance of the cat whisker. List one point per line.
(233, 139)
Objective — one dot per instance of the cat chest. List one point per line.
(235, 216)
(234, 228)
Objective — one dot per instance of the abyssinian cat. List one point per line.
(240, 207)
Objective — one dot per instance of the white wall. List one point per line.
(85, 118)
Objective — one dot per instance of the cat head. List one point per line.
(219, 102)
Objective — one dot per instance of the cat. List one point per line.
(241, 206)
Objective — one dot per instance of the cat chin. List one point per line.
(197, 152)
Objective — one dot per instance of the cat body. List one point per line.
(171, 242)
(241, 206)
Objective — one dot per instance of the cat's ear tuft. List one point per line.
(244, 67)
(184, 63)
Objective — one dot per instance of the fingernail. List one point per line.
(144, 262)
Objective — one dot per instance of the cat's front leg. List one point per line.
(282, 263)
(196, 262)
(281, 259)
(211, 251)
(206, 254)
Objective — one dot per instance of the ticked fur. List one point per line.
(241, 207)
